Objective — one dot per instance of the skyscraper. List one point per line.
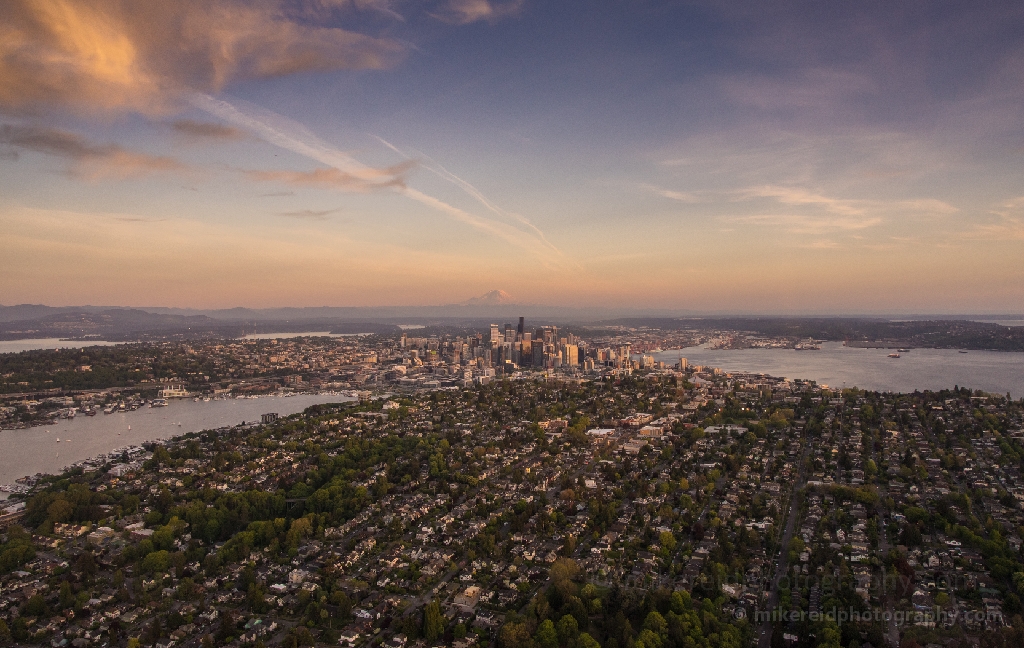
(572, 355)
(521, 329)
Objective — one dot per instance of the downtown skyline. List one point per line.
(802, 158)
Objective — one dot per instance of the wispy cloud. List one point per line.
(438, 170)
(336, 179)
(93, 161)
(462, 12)
(808, 224)
(309, 214)
(324, 9)
(295, 137)
(926, 205)
(142, 55)
(799, 196)
(206, 130)
(681, 196)
(846, 213)
(1008, 224)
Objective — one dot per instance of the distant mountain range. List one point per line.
(493, 298)
(27, 321)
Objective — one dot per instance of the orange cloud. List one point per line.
(368, 179)
(93, 161)
(462, 12)
(142, 54)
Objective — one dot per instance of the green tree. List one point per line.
(60, 510)
(656, 623)
(433, 622)
(514, 635)
(568, 629)
(586, 641)
(36, 606)
(19, 629)
(546, 635)
(667, 540)
(154, 631)
(86, 565)
(156, 562)
(67, 597)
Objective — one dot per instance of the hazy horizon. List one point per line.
(712, 157)
(463, 310)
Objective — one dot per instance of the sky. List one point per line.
(723, 157)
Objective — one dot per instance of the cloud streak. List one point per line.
(206, 130)
(92, 161)
(807, 224)
(295, 137)
(463, 12)
(332, 178)
(308, 214)
(443, 173)
(680, 196)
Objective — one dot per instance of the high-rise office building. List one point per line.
(572, 355)
(538, 355)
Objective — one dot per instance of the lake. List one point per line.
(837, 366)
(17, 346)
(35, 344)
(34, 450)
(288, 336)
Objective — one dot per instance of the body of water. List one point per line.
(35, 450)
(17, 346)
(287, 336)
(837, 366)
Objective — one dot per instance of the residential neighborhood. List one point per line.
(631, 505)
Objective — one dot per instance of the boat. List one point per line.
(808, 345)
(962, 351)
(903, 350)
(894, 355)
(159, 402)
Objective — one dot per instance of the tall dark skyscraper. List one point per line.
(521, 329)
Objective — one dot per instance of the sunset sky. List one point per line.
(749, 157)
